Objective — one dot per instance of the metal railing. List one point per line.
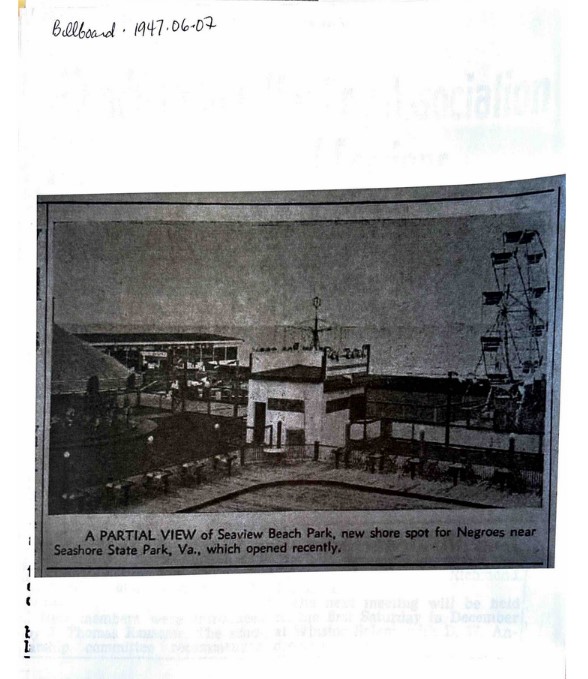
(287, 454)
(518, 473)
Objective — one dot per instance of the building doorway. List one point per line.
(259, 423)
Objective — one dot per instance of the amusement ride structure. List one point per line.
(513, 355)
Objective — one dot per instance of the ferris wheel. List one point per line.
(514, 346)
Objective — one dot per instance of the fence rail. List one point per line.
(286, 454)
(509, 475)
(458, 453)
(519, 473)
(166, 402)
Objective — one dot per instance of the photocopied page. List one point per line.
(344, 446)
(296, 277)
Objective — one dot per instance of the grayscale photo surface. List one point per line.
(332, 379)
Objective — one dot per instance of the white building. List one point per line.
(306, 395)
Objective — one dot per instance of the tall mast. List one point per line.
(316, 302)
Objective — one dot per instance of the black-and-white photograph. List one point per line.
(325, 352)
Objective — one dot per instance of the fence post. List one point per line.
(448, 407)
(242, 453)
(316, 451)
(513, 457)
(422, 444)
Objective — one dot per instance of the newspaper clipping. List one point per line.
(354, 379)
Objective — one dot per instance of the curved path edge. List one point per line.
(333, 484)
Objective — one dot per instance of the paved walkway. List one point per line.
(183, 498)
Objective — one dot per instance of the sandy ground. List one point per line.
(439, 493)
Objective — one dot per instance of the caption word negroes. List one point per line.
(441, 532)
(141, 29)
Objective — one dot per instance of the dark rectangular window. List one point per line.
(206, 352)
(338, 404)
(357, 407)
(218, 353)
(289, 405)
(231, 353)
(295, 437)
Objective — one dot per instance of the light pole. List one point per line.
(66, 463)
(217, 431)
(451, 374)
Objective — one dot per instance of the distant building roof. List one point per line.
(405, 383)
(429, 385)
(312, 374)
(73, 362)
(341, 382)
(291, 373)
(148, 338)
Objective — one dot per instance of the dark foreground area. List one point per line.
(157, 441)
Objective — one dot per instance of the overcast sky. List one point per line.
(379, 273)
